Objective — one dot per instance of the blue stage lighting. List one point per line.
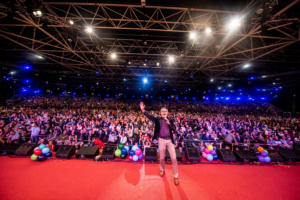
(27, 67)
(27, 81)
(145, 80)
(38, 91)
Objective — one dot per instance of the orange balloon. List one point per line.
(260, 149)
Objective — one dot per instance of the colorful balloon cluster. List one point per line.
(122, 151)
(263, 155)
(210, 153)
(135, 154)
(41, 153)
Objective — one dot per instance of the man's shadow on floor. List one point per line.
(168, 189)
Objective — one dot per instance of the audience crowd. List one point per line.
(90, 121)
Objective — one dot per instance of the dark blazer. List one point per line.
(156, 121)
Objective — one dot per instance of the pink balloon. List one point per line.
(138, 152)
(130, 157)
(206, 151)
(204, 154)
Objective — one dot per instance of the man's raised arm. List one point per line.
(142, 107)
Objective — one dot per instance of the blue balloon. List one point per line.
(45, 150)
(124, 151)
(49, 154)
(209, 157)
(42, 146)
(127, 148)
(135, 158)
(267, 159)
(131, 153)
(215, 157)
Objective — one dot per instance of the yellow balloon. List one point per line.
(210, 147)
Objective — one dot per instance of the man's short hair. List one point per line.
(164, 108)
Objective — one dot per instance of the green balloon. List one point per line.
(123, 156)
(117, 152)
(120, 146)
(33, 157)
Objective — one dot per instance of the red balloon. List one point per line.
(37, 152)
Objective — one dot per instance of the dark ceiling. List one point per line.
(142, 35)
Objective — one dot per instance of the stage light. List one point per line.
(113, 56)
(219, 88)
(145, 80)
(39, 57)
(157, 64)
(166, 81)
(208, 30)
(71, 22)
(27, 81)
(193, 35)
(247, 65)
(274, 83)
(124, 79)
(229, 85)
(211, 80)
(26, 67)
(37, 13)
(37, 91)
(7, 79)
(89, 29)
(12, 72)
(145, 64)
(264, 76)
(171, 59)
(251, 78)
(234, 23)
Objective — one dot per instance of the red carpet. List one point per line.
(21, 178)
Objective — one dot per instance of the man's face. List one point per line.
(163, 112)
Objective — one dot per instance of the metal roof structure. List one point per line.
(144, 33)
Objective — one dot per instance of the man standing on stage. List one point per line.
(163, 131)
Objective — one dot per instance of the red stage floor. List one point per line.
(21, 178)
